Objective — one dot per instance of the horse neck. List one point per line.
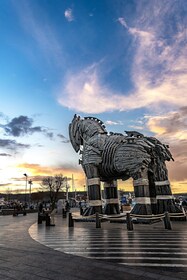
(89, 129)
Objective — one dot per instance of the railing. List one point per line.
(126, 218)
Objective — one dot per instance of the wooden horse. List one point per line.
(109, 157)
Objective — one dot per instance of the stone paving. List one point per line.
(148, 245)
(22, 257)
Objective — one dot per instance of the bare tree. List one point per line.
(53, 184)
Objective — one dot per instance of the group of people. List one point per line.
(19, 208)
(181, 202)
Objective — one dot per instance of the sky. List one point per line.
(124, 62)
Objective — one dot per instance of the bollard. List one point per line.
(167, 221)
(81, 211)
(129, 222)
(71, 221)
(15, 213)
(64, 213)
(39, 219)
(47, 220)
(97, 220)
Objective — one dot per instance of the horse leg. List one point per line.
(111, 196)
(142, 194)
(94, 191)
(152, 192)
(164, 197)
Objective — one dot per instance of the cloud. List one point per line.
(5, 155)
(158, 70)
(69, 15)
(172, 124)
(177, 169)
(36, 172)
(37, 169)
(137, 127)
(63, 138)
(4, 185)
(22, 125)
(12, 144)
(179, 187)
(122, 22)
(113, 122)
(50, 135)
(19, 126)
(171, 128)
(83, 89)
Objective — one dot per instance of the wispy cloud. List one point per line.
(122, 22)
(82, 90)
(137, 127)
(109, 122)
(69, 15)
(5, 155)
(39, 27)
(158, 71)
(63, 138)
(12, 144)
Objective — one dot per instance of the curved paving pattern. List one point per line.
(147, 245)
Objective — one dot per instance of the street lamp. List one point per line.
(30, 183)
(25, 186)
(67, 187)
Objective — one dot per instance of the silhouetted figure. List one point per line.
(40, 209)
(67, 206)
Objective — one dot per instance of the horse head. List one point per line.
(74, 133)
(81, 129)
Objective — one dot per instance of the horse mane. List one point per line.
(95, 119)
(98, 122)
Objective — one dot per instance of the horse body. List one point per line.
(116, 156)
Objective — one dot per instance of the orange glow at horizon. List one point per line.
(36, 172)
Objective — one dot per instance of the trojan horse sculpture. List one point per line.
(108, 157)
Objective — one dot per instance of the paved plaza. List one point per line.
(32, 251)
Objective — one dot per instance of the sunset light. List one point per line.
(124, 62)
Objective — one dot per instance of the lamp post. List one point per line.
(30, 183)
(25, 187)
(67, 187)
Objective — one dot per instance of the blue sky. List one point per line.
(124, 62)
